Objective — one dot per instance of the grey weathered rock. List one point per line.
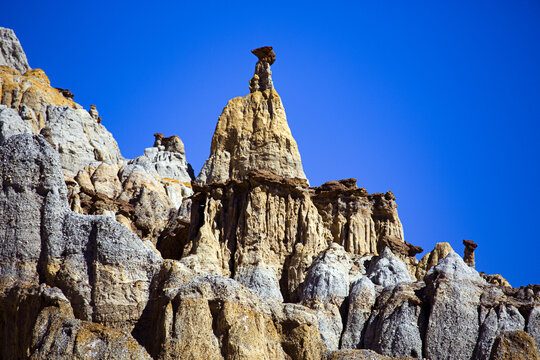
(260, 278)
(361, 301)
(327, 280)
(454, 268)
(394, 327)
(454, 296)
(432, 258)
(499, 319)
(387, 269)
(11, 124)
(81, 255)
(166, 164)
(533, 325)
(80, 140)
(11, 52)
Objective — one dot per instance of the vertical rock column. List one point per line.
(262, 80)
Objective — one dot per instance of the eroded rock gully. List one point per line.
(103, 257)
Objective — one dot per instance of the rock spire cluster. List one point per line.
(107, 257)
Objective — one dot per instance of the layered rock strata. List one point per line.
(282, 224)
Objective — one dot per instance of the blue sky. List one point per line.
(439, 103)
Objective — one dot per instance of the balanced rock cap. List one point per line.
(265, 53)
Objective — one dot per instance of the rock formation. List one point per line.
(252, 134)
(468, 256)
(103, 257)
(11, 52)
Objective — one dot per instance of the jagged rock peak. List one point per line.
(262, 80)
(11, 52)
(252, 133)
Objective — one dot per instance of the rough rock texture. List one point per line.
(388, 270)
(262, 79)
(106, 276)
(95, 286)
(468, 256)
(514, 345)
(210, 316)
(252, 134)
(439, 252)
(282, 223)
(397, 321)
(11, 124)
(11, 52)
(361, 301)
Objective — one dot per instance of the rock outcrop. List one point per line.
(11, 52)
(252, 134)
(103, 257)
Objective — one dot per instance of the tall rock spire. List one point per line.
(252, 133)
(262, 79)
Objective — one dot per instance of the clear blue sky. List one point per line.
(439, 103)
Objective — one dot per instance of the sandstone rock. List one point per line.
(468, 256)
(515, 345)
(212, 316)
(262, 79)
(432, 258)
(30, 95)
(361, 301)
(11, 52)
(59, 336)
(93, 111)
(358, 355)
(387, 270)
(284, 224)
(496, 279)
(252, 134)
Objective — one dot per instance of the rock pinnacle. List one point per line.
(262, 80)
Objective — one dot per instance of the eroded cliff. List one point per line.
(103, 257)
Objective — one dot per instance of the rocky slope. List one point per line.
(104, 257)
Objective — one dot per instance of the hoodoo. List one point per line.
(252, 133)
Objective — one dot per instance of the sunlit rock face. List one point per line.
(252, 133)
(11, 52)
(106, 257)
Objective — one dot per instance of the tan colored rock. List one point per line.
(252, 134)
(282, 223)
(514, 345)
(105, 180)
(432, 258)
(495, 279)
